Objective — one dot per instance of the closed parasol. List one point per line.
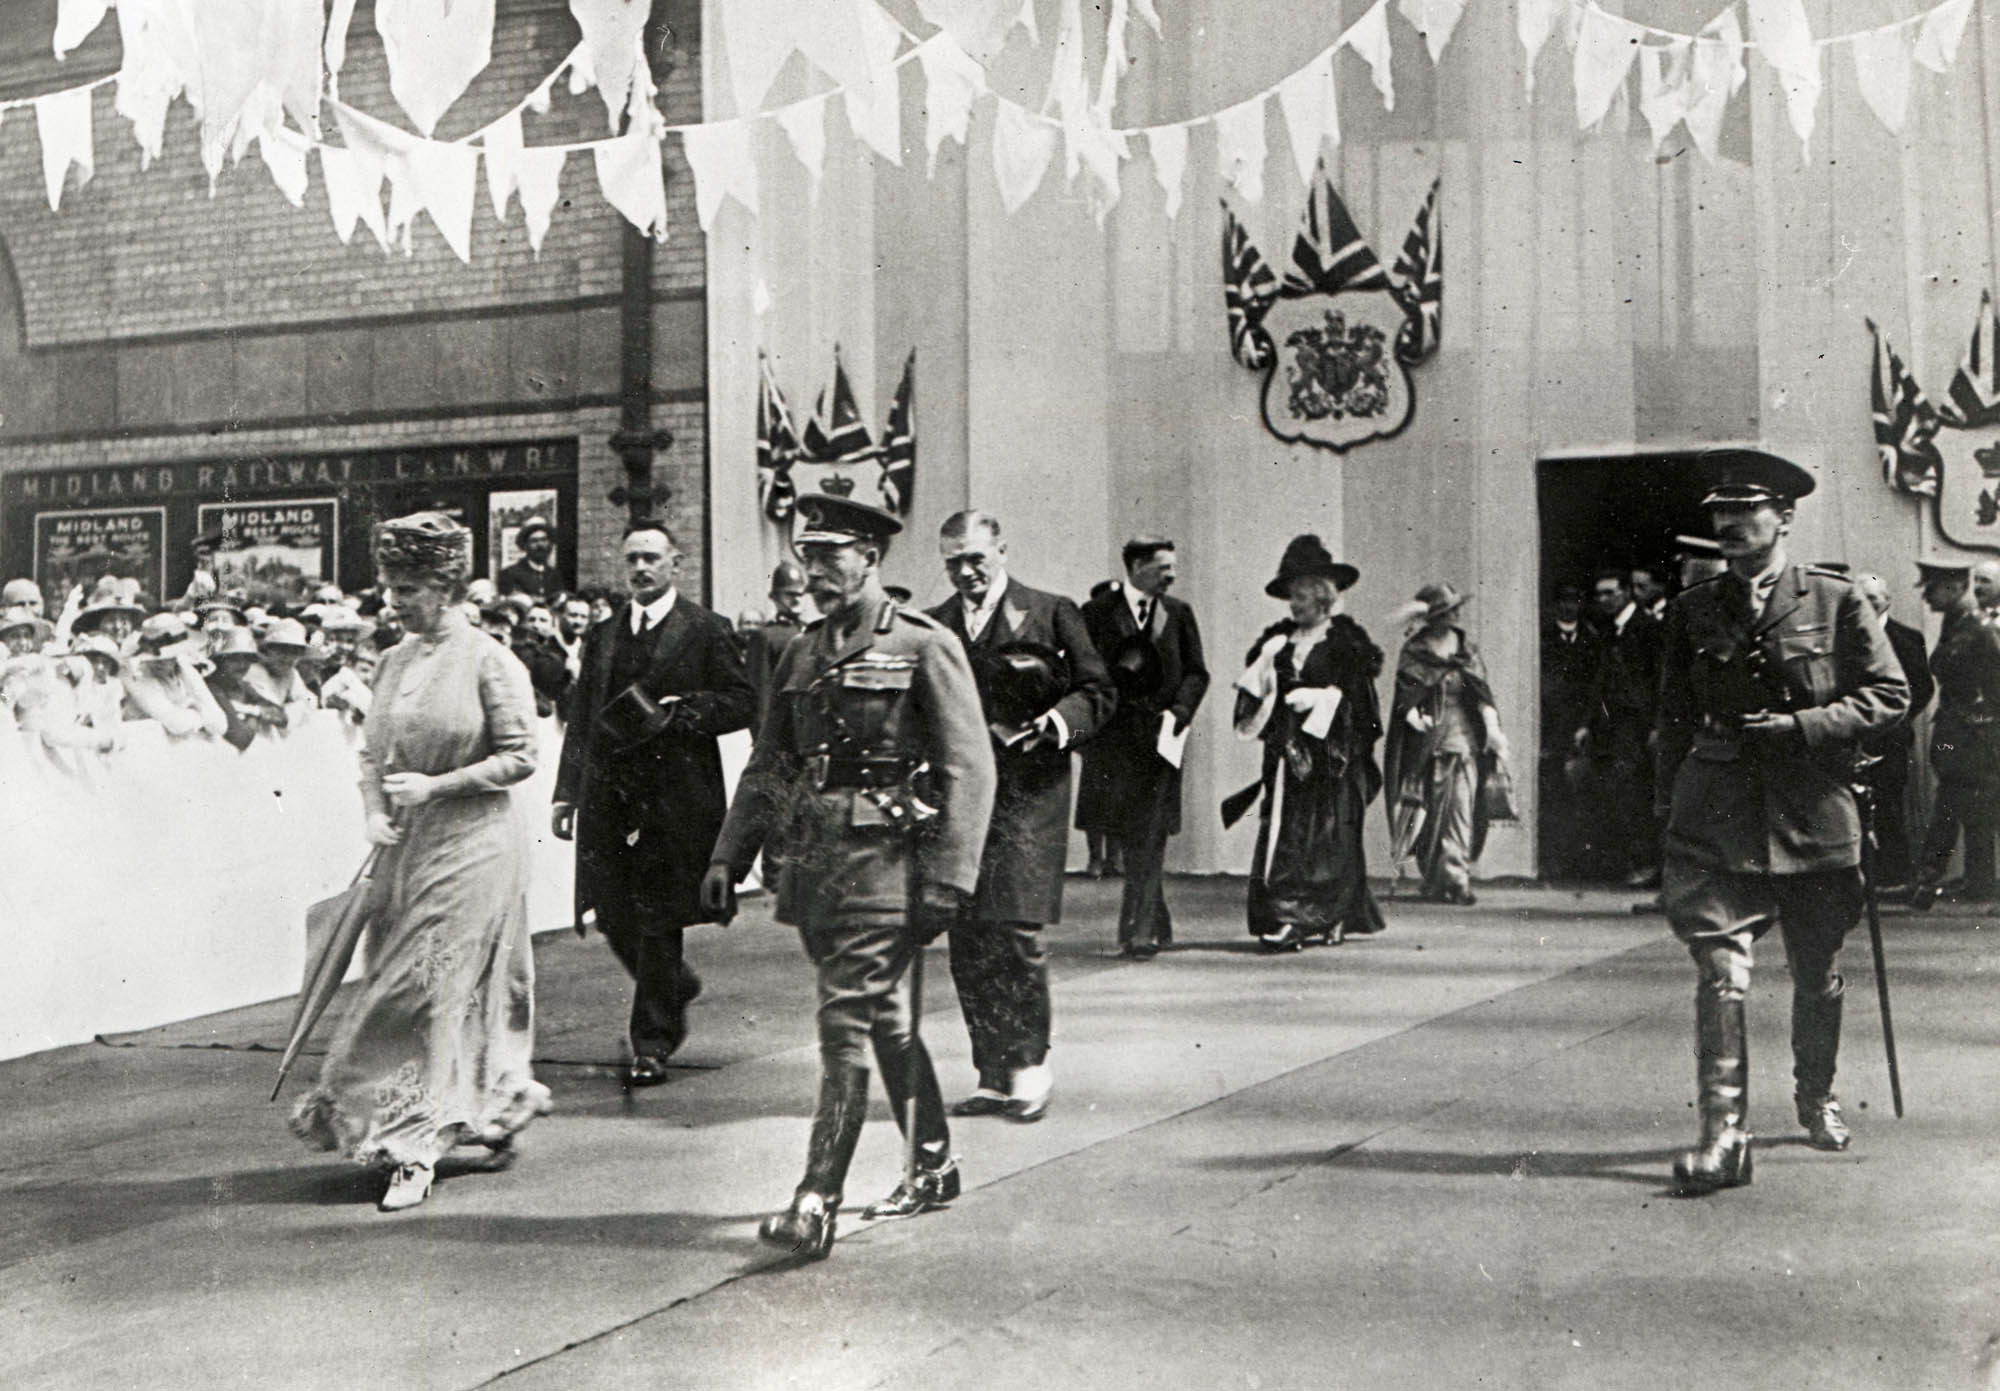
(333, 926)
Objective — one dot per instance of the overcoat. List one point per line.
(654, 809)
(1771, 804)
(1021, 877)
(1965, 735)
(900, 679)
(1122, 769)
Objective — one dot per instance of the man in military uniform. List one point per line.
(1965, 738)
(764, 640)
(869, 791)
(1771, 675)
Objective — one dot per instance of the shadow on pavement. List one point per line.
(1621, 1166)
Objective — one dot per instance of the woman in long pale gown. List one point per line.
(436, 1050)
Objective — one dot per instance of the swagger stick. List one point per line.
(914, 1067)
(1865, 796)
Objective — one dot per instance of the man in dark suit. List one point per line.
(1889, 775)
(1569, 666)
(1615, 734)
(533, 574)
(1772, 675)
(640, 785)
(1043, 689)
(1129, 790)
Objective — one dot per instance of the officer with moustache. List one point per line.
(869, 793)
(1772, 674)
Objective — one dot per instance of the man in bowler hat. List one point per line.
(639, 786)
(1772, 674)
(1128, 790)
(1044, 689)
(868, 793)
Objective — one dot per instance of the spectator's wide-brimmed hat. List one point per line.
(231, 604)
(499, 611)
(288, 635)
(163, 630)
(113, 594)
(99, 648)
(1930, 572)
(339, 618)
(1439, 600)
(423, 546)
(840, 521)
(210, 539)
(1741, 477)
(235, 642)
(1307, 557)
(530, 526)
(1022, 681)
(13, 620)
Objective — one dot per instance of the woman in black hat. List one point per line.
(1309, 694)
(436, 1051)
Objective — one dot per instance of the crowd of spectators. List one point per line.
(225, 665)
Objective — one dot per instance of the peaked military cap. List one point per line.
(1740, 476)
(839, 521)
(1929, 573)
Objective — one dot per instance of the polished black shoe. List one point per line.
(1721, 1162)
(1825, 1129)
(647, 1071)
(1139, 951)
(980, 1103)
(1924, 895)
(804, 1230)
(930, 1188)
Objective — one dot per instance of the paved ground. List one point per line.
(1435, 1158)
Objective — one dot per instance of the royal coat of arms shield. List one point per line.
(1968, 494)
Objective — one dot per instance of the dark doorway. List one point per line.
(1620, 512)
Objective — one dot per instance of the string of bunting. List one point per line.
(435, 52)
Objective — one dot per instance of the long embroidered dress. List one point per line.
(1434, 774)
(436, 1050)
(1309, 869)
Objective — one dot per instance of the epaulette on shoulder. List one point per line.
(919, 617)
(1704, 582)
(1826, 574)
(813, 626)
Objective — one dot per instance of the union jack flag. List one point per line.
(899, 442)
(1904, 422)
(839, 437)
(1975, 386)
(1330, 254)
(1248, 287)
(777, 446)
(1420, 273)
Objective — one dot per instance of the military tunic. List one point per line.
(1765, 827)
(1965, 751)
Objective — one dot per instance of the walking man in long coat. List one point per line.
(1772, 674)
(869, 793)
(1129, 790)
(1965, 739)
(1043, 689)
(640, 786)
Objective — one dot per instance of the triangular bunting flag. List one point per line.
(76, 20)
(434, 48)
(502, 145)
(540, 186)
(1240, 149)
(1022, 149)
(718, 153)
(1435, 20)
(1882, 68)
(804, 124)
(62, 120)
(1534, 21)
(1312, 113)
(1665, 86)
(353, 191)
(1782, 33)
(951, 82)
(612, 55)
(1938, 36)
(1719, 74)
(1605, 49)
(1368, 37)
(1168, 145)
(630, 175)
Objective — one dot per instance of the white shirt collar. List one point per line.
(1624, 616)
(977, 616)
(646, 616)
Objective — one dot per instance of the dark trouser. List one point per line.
(864, 1007)
(1975, 806)
(1720, 915)
(1002, 975)
(1889, 780)
(1623, 787)
(662, 983)
(1143, 919)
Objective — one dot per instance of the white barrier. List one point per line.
(171, 879)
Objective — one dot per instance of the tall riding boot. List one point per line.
(806, 1227)
(936, 1180)
(1815, 1047)
(1722, 1158)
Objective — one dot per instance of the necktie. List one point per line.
(1145, 615)
(1742, 601)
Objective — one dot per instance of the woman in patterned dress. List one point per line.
(435, 1052)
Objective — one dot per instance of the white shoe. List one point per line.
(409, 1185)
(1031, 1089)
